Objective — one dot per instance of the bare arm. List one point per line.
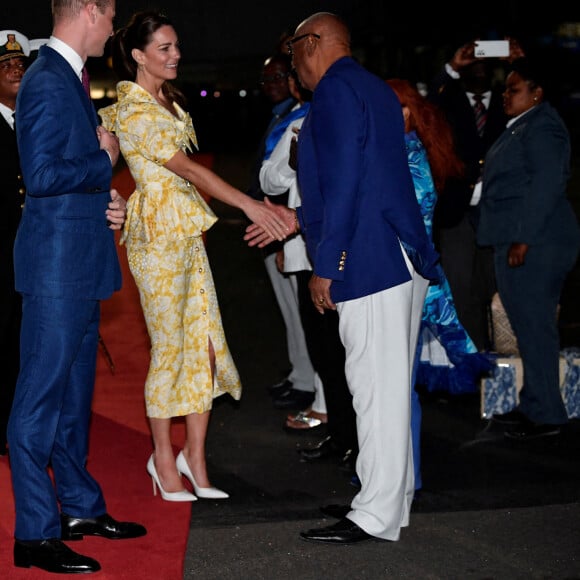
(213, 185)
(256, 235)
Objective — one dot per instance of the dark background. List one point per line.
(224, 43)
(220, 32)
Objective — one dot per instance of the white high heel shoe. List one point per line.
(182, 495)
(203, 492)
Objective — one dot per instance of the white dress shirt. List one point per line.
(277, 177)
(72, 57)
(8, 114)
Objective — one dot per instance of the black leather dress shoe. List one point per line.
(530, 430)
(53, 556)
(326, 449)
(513, 417)
(294, 399)
(335, 510)
(279, 388)
(104, 526)
(343, 532)
(348, 461)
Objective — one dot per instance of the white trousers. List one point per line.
(286, 291)
(380, 333)
(319, 403)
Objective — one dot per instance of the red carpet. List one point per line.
(119, 448)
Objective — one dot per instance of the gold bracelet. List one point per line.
(296, 222)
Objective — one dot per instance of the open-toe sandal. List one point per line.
(305, 421)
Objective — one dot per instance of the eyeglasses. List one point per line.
(292, 41)
(275, 78)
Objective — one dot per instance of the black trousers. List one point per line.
(328, 358)
(10, 317)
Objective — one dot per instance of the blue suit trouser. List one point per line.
(49, 422)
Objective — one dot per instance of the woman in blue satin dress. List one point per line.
(447, 359)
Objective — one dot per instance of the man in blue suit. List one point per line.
(372, 260)
(65, 263)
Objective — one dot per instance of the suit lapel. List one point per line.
(71, 79)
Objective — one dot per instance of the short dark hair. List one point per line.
(529, 70)
(282, 58)
(535, 72)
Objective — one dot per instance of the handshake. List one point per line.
(257, 236)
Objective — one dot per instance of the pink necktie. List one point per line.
(85, 81)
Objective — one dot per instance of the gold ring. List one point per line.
(321, 301)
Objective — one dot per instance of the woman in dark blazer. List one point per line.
(528, 220)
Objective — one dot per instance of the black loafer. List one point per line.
(325, 448)
(348, 461)
(343, 532)
(104, 526)
(53, 556)
(279, 388)
(530, 430)
(294, 399)
(335, 510)
(513, 417)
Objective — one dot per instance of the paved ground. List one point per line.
(490, 508)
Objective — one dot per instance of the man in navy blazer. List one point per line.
(372, 260)
(65, 263)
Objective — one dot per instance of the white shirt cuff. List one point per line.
(452, 73)
(476, 195)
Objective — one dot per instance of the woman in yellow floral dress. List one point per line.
(190, 360)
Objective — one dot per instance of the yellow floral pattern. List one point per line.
(163, 205)
(167, 257)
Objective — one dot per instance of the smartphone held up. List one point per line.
(491, 48)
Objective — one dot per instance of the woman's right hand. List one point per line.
(258, 235)
(277, 221)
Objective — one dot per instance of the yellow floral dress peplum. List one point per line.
(166, 217)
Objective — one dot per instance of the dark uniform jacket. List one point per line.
(11, 203)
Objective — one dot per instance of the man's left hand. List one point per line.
(320, 293)
(517, 255)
